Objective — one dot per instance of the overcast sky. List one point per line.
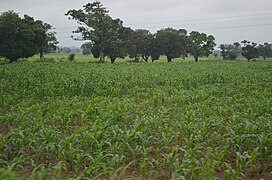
(228, 20)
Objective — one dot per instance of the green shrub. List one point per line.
(232, 55)
(71, 56)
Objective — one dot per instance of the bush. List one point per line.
(3, 61)
(215, 54)
(71, 56)
(232, 55)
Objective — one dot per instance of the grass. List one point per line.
(180, 120)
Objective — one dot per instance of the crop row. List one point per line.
(169, 120)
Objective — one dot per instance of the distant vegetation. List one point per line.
(249, 50)
(107, 37)
(67, 50)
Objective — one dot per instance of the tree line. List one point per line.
(249, 50)
(107, 37)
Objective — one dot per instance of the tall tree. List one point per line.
(22, 37)
(139, 44)
(155, 49)
(116, 47)
(265, 50)
(230, 51)
(171, 42)
(249, 51)
(143, 40)
(237, 48)
(96, 26)
(200, 44)
(224, 49)
(46, 38)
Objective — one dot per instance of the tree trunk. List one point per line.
(101, 56)
(169, 59)
(136, 58)
(112, 60)
(41, 55)
(145, 58)
(196, 58)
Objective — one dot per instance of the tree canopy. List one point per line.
(96, 26)
(46, 39)
(249, 51)
(265, 50)
(200, 44)
(171, 42)
(230, 51)
(24, 37)
(109, 38)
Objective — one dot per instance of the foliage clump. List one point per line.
(24, 37)
(71, 57)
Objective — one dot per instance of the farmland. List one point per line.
(179, 120)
